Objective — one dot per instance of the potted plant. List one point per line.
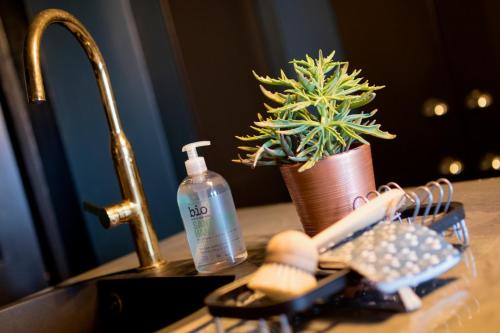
(315, 132)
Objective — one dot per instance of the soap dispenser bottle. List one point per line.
(209, 215)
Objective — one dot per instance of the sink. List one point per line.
(128, 301)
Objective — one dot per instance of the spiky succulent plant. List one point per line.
(315, 115)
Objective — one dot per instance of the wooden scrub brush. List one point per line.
(292, 256)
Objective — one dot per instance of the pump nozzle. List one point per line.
(195, 164)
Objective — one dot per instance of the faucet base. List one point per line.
(156, 266)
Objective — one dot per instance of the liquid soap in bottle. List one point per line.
(209, 215)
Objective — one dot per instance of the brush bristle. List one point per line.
(281, 281)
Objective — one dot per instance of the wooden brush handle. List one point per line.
(362, 217)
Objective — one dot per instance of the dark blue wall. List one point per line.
(81, 120)
(293, 28)
(22, 270)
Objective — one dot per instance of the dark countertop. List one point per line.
(470, 303)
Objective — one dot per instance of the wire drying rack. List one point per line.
(431, 205)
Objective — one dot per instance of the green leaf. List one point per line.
(279, 123)
(293, 107)
(308, 85)
(307, 151)
(249, 162)
(248, 149)
(285, 146)
(252, 137)
(308, 138)
(261, 150)
(373, 130)
(329, 58)
(295, 130)
(353, 134)
(297, 159)
(274, 82)
(362, 99)
(336, 135)
(362, 115)
(275, 97)
(278, 152)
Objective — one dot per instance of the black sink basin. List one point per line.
(126, 302)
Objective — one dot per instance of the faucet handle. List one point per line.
(114, 215)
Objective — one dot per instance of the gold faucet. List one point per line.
(133, 209)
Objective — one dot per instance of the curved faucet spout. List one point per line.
(34, 77)
(133, 209)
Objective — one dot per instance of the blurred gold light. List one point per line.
(490, 161)
(478, 99)
(440, 109)
(455, 167)
(495, 163)
(434, 107)
(451, 166)
(482, 102)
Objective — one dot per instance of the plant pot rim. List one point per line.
(336, 156)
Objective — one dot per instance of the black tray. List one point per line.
(455, 214)
(235, 299)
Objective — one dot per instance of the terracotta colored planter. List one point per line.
(324, 194)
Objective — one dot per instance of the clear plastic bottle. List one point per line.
(209, 216)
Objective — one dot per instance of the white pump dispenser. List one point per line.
(195, 164)
(209, 215)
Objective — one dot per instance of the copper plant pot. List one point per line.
(324, 194)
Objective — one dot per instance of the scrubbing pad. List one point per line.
(394, 255)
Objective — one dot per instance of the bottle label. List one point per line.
(212, 229)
